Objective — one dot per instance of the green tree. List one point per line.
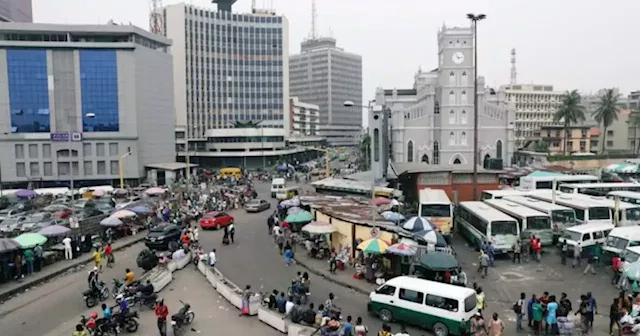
(365, 151)
(569, 111)
(541, 146)
(634, 121)
(607, 112)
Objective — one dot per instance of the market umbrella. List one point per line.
(392, 216)
(380, 201)
(141, 210)
(316, 227)
(54, 230)
(111, 221)
(98, 193)
(154, 191)
(402, 249)
(294, 210)
(633, 271)
(373, 246)
(300, 217)
(416, 224)
(25, 193)
(431, 236)
(438, 261)
(120, 214)
(29, 240)
(8, 244)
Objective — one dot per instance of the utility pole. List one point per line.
(474, 21)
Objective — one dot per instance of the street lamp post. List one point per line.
(121, 168)
(474, 21)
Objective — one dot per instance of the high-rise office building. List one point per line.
(229, 68)
(16, 11)
(325, 75)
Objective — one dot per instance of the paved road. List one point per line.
(212, 311)
(45, 307)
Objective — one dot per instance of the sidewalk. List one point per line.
(7, 290)
(342, 278)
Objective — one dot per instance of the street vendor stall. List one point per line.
(437, 266)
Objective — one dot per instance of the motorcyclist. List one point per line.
(129, 277)
(305, 283)
(147, 290)
(106, 311)
(122, 304)
(93, 281)
(329, 304)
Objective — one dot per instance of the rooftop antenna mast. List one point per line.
(514, 74)
(253, 6)
(314, 18)
(155, 17)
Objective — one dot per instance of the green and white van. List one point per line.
(432, 305)
(631, 254)
(587, 235)
(620, 238)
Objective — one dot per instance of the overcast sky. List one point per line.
(571, 44)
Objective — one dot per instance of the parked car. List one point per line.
(31, 222)
(128, 201)
(58, 210)
(215, 219)
(105, 208)
(257, 205)
(163, 237)
(10, 212)
(11, 224)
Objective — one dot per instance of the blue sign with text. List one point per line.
(65, 136)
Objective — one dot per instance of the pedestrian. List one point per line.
(484, 263)
(591, 260)
(552, 322)
(68, 252)
(583, 310)
(480, 300)
(577, 255)
(97, 259)
(161, 312)
(246, 297)
(517, 249)
(615, 267)
(538, 313)
(564, 250)
(29, 258)
(196, 234)
(496, 326)
(360, 329)
(386, 330)
(403, 331)
(593, 309)
(108, 253)
(478, 328)
(614, 315)
(288, 254)
(212, 258)
(518, 308)
(80, 331)
(538, 249)
(232, 232)
(38, 251)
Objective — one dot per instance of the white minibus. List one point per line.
(481, 223)
(531, 222)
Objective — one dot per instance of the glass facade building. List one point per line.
(28, 90)
(99, 90)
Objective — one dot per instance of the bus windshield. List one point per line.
(563, 216)
(435, 210)
(485, 196)
(504, 228)
(538, 223)
(599, 213)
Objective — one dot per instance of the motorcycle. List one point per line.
(128, 322)
(92, 297)
(146, 301)
(183, 317)
(99, 327)
(119, 287)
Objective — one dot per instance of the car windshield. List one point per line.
(572, 235)
(632, 214)
(254, 202)
(618, 243)
(210, 215)
(630, 256)
(161, 228)
(10, 221)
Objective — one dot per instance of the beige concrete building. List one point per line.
(617, 138)
(580, 138)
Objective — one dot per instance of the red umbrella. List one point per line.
(380, 201)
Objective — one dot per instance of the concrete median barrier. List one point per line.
(300, 330)
(210, 274)
(230, 291)
(182, 263)
(202, 267)
(273, 319)
(172, 266)
(160, 277)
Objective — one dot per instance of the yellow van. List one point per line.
(229, 172)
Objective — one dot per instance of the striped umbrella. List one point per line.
(373, 246)
(402, 249)
(431, 237)
(416, 224)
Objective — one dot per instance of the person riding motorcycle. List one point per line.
(129, 277)
(122, 304)
(147, 289)
(94, 283)
(106, 311)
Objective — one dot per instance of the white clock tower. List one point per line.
(455, 95)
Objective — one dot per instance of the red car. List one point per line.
(215, 219)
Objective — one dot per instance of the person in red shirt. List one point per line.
(285, 225)
(615, 266)
(185, 239)
(108, 252)
(162, 312)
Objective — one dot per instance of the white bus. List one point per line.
(561, 216)
(597, 189)
(546, 182)
(530, 221)
(625, 196)
(498, 194)
(481, 223)
(437, 208)
(588, 209)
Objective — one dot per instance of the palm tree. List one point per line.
(607, 112)
(569, 111)
(634, 121)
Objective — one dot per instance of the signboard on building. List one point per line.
(65, 136)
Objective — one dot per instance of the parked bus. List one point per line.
(480, 223)
(598, 189)
(588, 210)
(498, 194)
(628, 213)
(530, 221)
(546, 182)
(625, 196)
(437, 208)
(562, 217)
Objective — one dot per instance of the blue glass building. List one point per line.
(28, 90)
(99, 88)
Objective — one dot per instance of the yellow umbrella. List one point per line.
(374, 246)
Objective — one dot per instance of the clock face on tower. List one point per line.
(457, 57)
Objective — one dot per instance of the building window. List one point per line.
(48, 169)
(19, 151)
(436, 108)
(464, 78)
(463, 138)
(102, 168)
(100, 151)
(99, 90)
(376, 145)
(452, 117)
(63, 168)
(452, 79)
(452, 98)
(88, 168)
(452, 138)
(21, 169)
(463, 118)
(457, 161)
(463, 98)
(436, 153)
(28, 90)
(86, 149)
(609, 133)
(499, 149)
(46, 151)
(76, 168)
(113, 149)
(33, 151)
(34, 169)
(410, 151)
(425, 158)
(609, 143)
(113, 167)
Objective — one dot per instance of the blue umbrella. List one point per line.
(141, 210)
(416, 224)
(393, 216)
(432, 237)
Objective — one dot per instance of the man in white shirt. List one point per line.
(178, 254)
(212, 258)
(288, 306)
(277, 230)
(403, 331)
(68, 254)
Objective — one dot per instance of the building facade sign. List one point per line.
(65, 136)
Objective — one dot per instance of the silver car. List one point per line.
(11, 224)
(32, 222)
(257, 205)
